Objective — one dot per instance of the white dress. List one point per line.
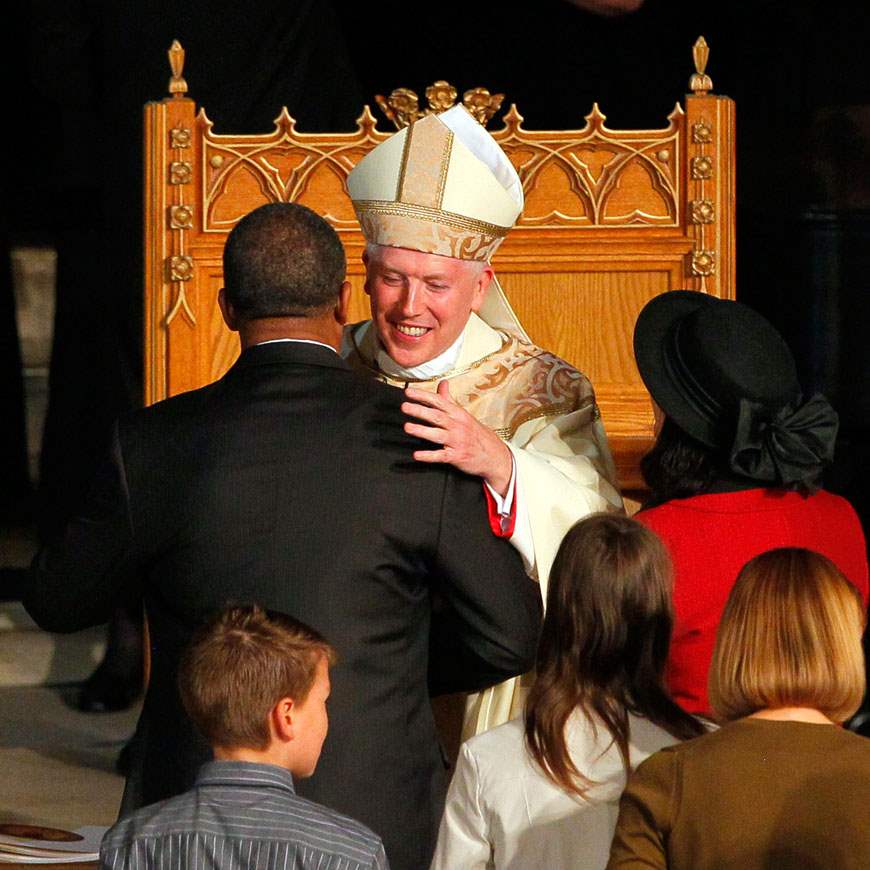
(503, 812)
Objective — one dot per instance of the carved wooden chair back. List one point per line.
(612, 218)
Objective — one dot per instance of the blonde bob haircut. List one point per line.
(790, 636)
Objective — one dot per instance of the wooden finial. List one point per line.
(700, 82)
(177, 85)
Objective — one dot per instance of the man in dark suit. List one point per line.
(289, 483)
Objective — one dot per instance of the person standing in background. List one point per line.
(736, 467)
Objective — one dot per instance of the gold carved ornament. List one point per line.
(180, 268)
(180, 172)
(402, 106)
(482, 104)
(177, 85)
(441, 96)
(700, 83)
(703, 211)
(179, 137)
(702, 133)
(702, 168)
(180, 217)
(703, 263)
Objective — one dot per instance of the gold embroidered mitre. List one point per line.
(441, 186)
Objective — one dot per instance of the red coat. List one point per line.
(711, 537)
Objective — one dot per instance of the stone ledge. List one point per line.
(31, 657)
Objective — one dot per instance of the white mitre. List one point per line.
(442, 186)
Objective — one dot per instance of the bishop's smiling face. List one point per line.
(421, 302)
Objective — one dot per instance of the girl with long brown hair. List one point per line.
(544, 791)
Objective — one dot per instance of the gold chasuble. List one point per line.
(545, 410)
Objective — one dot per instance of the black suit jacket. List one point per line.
(290, 483)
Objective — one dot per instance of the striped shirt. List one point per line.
(240, 816)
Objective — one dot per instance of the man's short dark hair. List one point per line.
(239, 664)
(282, 260)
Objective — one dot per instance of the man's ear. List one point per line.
(487, 273)
(281, 719)
(227, 311)
(343, 304)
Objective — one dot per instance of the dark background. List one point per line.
(80, 72)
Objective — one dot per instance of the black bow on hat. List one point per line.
(726, 377)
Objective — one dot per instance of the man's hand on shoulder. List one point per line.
(464, 442)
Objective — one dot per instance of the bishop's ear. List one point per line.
(484, 279)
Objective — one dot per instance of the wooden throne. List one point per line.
(612, 218)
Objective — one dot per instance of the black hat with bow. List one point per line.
(727, 378)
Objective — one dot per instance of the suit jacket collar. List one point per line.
(294, 352)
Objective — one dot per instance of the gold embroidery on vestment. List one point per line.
(432, 215)
(538, 385)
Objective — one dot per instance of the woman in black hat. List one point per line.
(736, 467)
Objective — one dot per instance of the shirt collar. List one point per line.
(288, 352)
(298, 340)
(245, 773)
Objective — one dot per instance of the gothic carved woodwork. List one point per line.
(180, 268)
(179, 138)
(402, 106)
(177, 84)
(180, 217)
(242, 172)
(612, 218)
(603, 177)
(702, 133)
(703, 263)
(710, 266)
(180, 172)
(703, 211)
(702, 167)
(700, 83)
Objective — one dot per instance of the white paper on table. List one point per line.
(23, 850)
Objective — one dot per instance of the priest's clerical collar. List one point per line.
(432, 368)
